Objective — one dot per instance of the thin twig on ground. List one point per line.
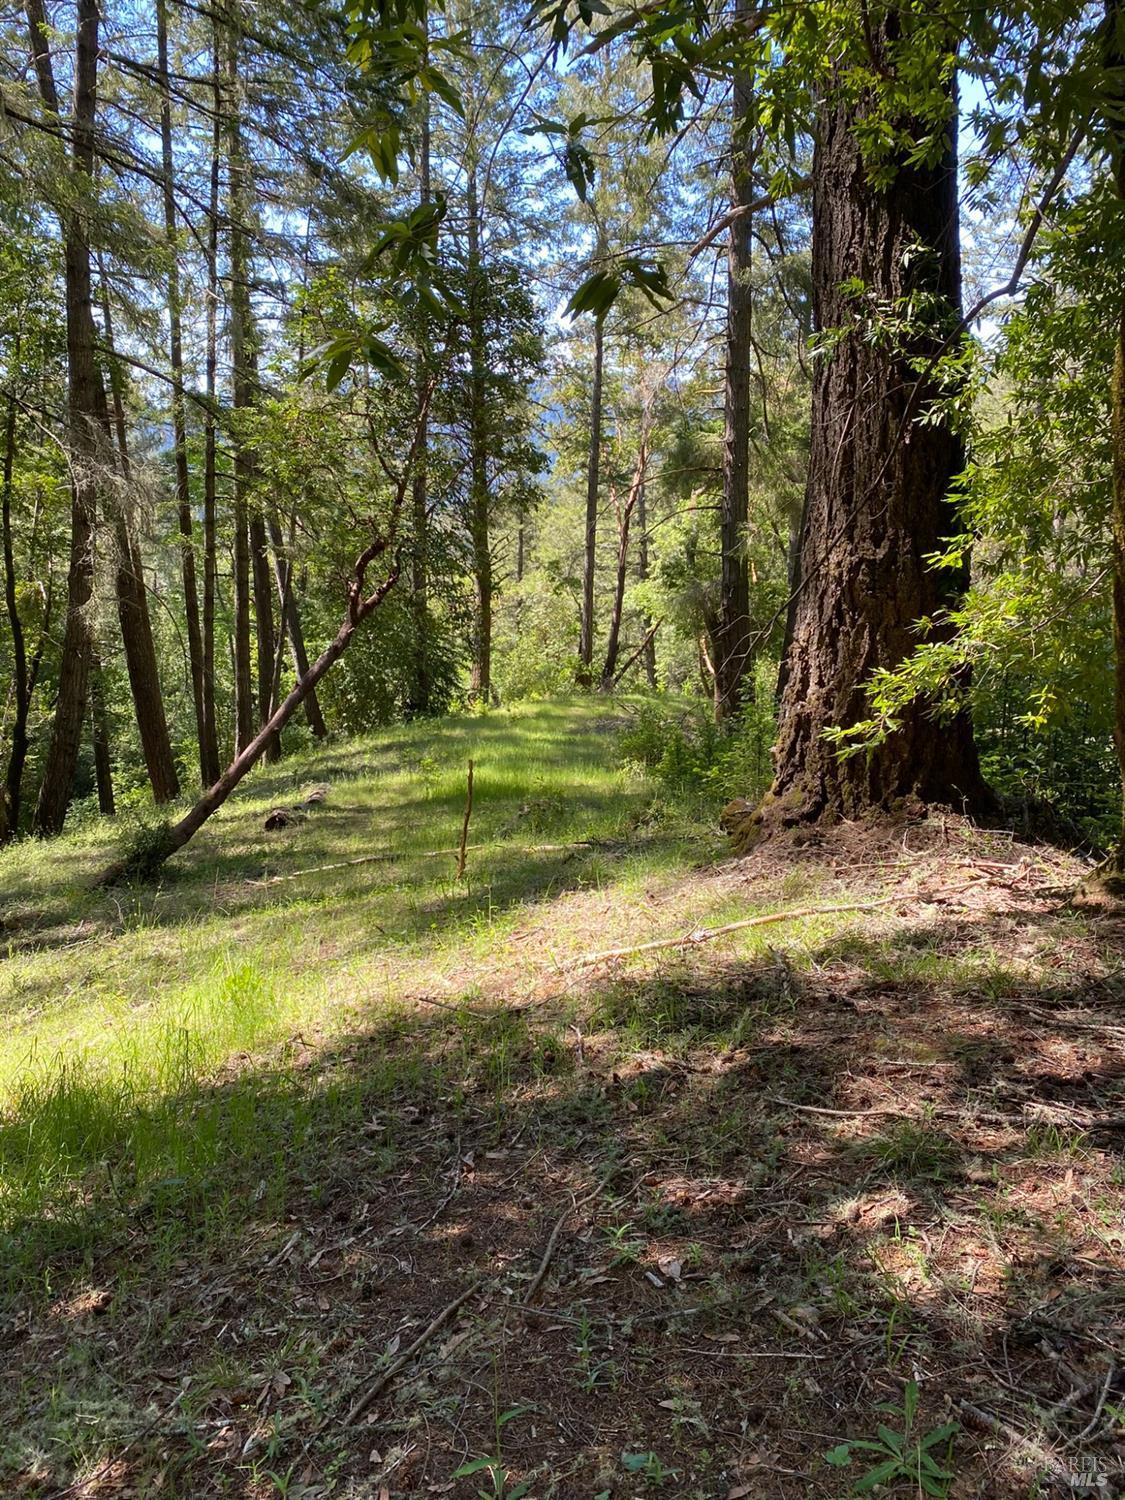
(382, 1381)
(548, 1253)
(708, 934)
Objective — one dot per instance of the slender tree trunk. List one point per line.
(132, 605)
(85, 434)
(593, 484)
(17, 754)
(1114, 111)
(1118, 525)
(731, 641)
(876, 503)
(421, 687)
(478, 458)
(243, 394)
(209, 745)
(291, 619)
(613, 645)
(179, 412)
(263, 619)
(99, 736)
(648, 650)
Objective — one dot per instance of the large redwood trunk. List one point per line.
(876, 501)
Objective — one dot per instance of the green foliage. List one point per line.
(683, 747)
(1030, 645)
(901, 1456)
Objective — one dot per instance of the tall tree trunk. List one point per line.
(209, 746)
(731, 642)
(17, 754)
(648, 650)
(1114, 114)
(876, 503)
(99, 736)
(478, 457)
(85, 433)
(203, 730)
(243, 393)
(132, 604)
(593, 484)
(420, 691)
(291, 620)
(624, 521)
(263, 620)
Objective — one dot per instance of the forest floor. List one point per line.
(369, 1182)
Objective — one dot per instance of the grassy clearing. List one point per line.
(799, 1184)
(122, 1008)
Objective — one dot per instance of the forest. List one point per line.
(562, 748)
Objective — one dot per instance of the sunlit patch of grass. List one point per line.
(910, 1149)
(121, 1087)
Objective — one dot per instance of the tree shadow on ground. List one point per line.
(784, 1190)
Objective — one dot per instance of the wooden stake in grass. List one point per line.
(465, 825)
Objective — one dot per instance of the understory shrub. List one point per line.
(679, 743)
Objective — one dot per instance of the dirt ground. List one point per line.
(681, 1224)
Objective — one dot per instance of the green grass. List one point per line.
(123, 1010)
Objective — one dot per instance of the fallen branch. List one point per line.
(836, 1114)
(380, 1384)
(548, 1253)
(708, 934)
(1032, 1450)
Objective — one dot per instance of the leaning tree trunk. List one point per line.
(731, 641)
(876, 503)
(85, 435)
(359, 605)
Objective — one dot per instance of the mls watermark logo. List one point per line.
(1090, 1477)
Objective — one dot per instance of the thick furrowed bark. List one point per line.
(876, 503)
